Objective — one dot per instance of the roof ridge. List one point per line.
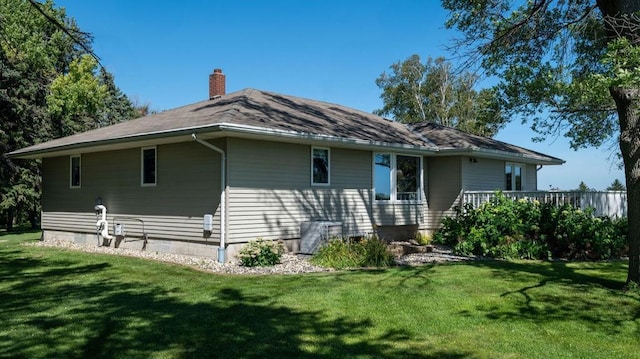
(411, 128)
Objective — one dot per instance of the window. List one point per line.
(382, 176)
(74, 174)
(397, 177)
(513, 176)
(407, 178)
(149, 166)
(320, 166)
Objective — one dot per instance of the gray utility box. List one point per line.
(314, 233)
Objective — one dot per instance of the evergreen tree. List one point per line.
(582, 187)
(118, 107)
(41, 53)
(616, 185)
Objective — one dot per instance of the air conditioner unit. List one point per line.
(314, 233)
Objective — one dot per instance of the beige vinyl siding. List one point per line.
(188, 186)
(270, 190)
(398, 214)
(156, 227)
(483, 174)
(530, 177)
(445, 185)
(268, 165)
(277, 214)
(69, 221)
(489, 175)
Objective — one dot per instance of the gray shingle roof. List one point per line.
(249, 107)
(449, 139)
(278, 114)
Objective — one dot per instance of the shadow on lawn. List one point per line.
(577, 296)
(71, 309)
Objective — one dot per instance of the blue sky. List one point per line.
(161, 53)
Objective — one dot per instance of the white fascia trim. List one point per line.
(55, 150)
(502, 155)
(218, 127)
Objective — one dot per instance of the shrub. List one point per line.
(261, 253)
(423, 238)
(375, 253)
(341, 253)
(336, 253)
(505, 228)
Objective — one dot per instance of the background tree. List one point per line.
(415, 92)
(571, 67)
(33, 52)
(582, 187)
(38, 45)
(76, 98)
(117, 106)
(616, 185)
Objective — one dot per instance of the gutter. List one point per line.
(39, 150)
(503, 155)
(223, 190)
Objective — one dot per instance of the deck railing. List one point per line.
(609, 203)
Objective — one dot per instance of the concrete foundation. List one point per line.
(202, 249)
(397, 233)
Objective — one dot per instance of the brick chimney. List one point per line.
(216, 84)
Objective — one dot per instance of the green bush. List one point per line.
(341, 253)
(337, 253)
(423, 238)
(505, 228)
(261, 253)
(375, 253)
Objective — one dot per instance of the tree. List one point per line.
(32, 52)
(582, 187)
(117, 106)
(415, 92)
(571, 67)
(76, 98)
(616, 185)
(40, 46)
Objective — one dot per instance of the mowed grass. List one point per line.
(65, 304)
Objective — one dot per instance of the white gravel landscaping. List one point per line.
(290, 263)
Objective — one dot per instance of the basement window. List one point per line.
(74, 173)
(148, 159)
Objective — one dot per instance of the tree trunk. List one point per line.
(10, 219)
(628, 106)
(33, 218)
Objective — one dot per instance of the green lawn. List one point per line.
(64, 304)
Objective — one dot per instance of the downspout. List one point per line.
(223, 187)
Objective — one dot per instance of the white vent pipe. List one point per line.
(223, 187)
(102, 226)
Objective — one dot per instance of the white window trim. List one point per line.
(394, 185)
(328, 166)
(155, 158)
(513, 165)
(71, 170)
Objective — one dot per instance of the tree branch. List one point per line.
(66, 30)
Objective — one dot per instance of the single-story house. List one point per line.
(208, 177)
